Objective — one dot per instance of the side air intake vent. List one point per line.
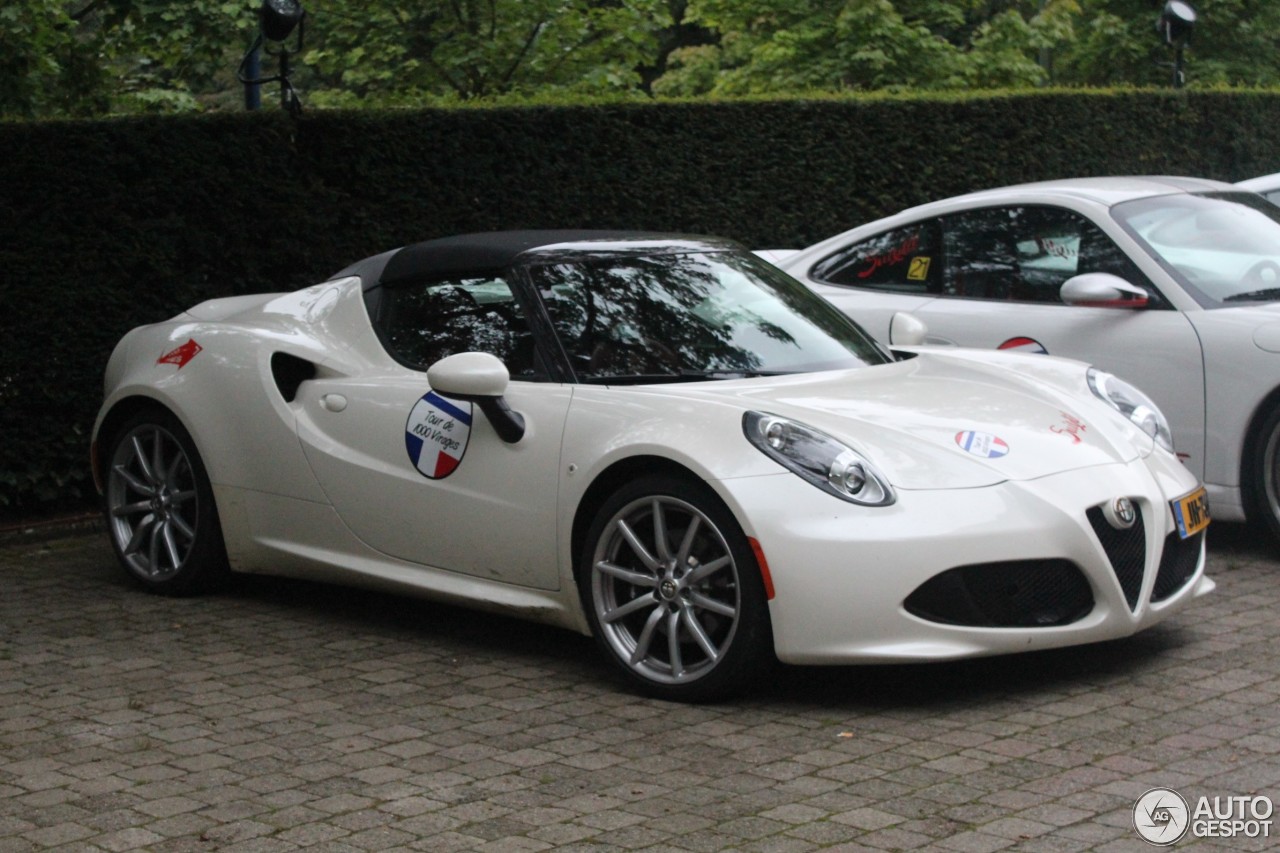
(289, 372)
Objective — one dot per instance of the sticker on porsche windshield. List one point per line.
(982, 444)
(436, 434)
(919, 268)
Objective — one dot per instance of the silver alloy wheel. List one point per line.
(665, 589)
(152, 502)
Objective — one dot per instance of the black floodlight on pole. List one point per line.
(277, 20)
(1175, 25)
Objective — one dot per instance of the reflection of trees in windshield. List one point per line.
(680, 314)
(637, 316)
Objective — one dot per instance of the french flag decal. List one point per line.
(436, 435)
(982, 444)
(1027, 345)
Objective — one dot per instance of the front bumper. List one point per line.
(842, 573)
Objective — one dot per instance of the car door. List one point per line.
(424, 478)
(1001, 277)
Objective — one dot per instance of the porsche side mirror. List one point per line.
(480, 378)
(1102, 290)
(907, 330)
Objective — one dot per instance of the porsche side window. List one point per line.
(421, 323)
(1024, 254)
(982, 254)
(901, 261)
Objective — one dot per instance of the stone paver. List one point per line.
(283, 715)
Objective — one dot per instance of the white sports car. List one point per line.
(661, 441)
(1171, 283)
(1267, 186)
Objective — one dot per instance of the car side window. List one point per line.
(904, 260)
(422, 322)
(1024, 254)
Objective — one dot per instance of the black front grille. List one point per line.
(1016, 594)
(1126, 549)
(1181, 556)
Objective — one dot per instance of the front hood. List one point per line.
(952, 420)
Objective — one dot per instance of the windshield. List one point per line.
(673, 317)
(1224, 248)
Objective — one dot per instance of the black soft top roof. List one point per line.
(496, 250)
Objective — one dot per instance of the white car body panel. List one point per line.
(1204, 368)
(321, 486)
(1267, 186)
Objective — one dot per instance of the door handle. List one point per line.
(333, 402)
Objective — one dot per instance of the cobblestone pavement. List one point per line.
(284, 715)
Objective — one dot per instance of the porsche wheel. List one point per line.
(1266, 476)
(673, 591)
(159, 507)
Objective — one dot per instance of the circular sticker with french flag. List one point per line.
(1027, 345)
(982, 444)
(436, 435)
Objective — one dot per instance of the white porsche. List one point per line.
(661, 441)
(1267, 186)
(1171, 283)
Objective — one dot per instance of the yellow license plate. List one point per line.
(1191, 513)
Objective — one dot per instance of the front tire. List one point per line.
(673, 593)
(159, 507)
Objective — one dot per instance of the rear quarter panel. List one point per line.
(225, 397)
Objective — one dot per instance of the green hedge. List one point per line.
(109, 224)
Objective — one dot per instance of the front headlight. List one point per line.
(1133, 404)
(817, 457)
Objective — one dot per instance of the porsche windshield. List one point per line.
(673, 317)
(1224, 248)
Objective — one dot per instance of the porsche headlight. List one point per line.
(1133, 404)
(817, 457)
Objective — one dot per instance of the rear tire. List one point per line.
(159, 509)
(673, 593)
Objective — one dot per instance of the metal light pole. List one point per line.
(1175, 25)
(251, 67)
(277, 20)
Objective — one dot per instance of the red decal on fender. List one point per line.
(181, 355)
(1071, 427)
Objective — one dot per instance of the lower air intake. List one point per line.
(1181, 557)
(1016, 594)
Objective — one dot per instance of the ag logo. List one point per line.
(1161, 816)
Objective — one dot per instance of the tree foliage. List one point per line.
(470, 49)
(92, 57)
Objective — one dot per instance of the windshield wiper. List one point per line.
(732, 374)
(638, 378)
(1263, 295)
(682, 376)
